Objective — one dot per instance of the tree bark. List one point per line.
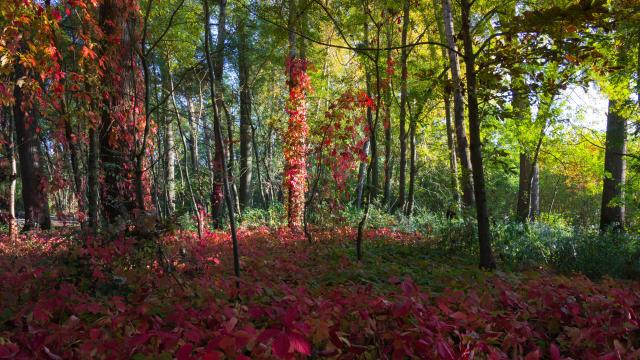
(92, 180)
(34, 183)
(217, 195)
(612, 213)
(218, 140)
(458, 107)
(403, 108)
(482, 212)
(245, 117)
(295, 172)
(522, 208)
(412, 163)
(386, 195)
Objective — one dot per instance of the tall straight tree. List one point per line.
(215, 73)
(244, 194)
(386, 195)
(295, 172)
(482, 212)
(404, 53)
(612, 213)
(458, 106)
(218, 134)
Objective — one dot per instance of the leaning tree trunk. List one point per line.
(34, 186)
(612, 212)
(403, 108)
(458, 107)
(482, 212)
(245, 117)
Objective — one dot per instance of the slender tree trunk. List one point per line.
(482, 212)
(170, 167)
(263, 196)
(34, 186)
(218, 139)
(6, 121)
(386, 197)
(362, 177)
(245, 118)
(535, 194)
(403, 108)
(373, 141)
(451, 142)
(217, 195)
(612, 213)
(412, 164)
(193, 135)
(92, 180)
(458, 107)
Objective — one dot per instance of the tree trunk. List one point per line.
(6, 121)
(217, 195)
(534, 211)
(92, 180)
(524, 194)
(412, 165)
(612, 212)
(170, 167)
(482, 212)
(193, 135)
(458, 107)
(362, 177)
(403, 107)
(245, 117)
(386, 197)
(34, 183)
(218, 139)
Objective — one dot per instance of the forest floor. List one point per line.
(63, 299)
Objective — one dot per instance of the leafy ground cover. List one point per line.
(62, 298)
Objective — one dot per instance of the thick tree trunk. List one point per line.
(458, 107)
(34, 183)
(403, 108)
(245, 118)
(524, 194)
(482, 212)
(295, 175)
(612, 213)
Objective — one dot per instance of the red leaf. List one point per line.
(300, 344)
(280, 346)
